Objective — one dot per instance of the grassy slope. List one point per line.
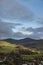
(6, 47)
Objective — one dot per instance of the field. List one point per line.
(12, 54)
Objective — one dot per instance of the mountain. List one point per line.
(28, 42)
(21, 41)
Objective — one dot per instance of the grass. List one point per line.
(6, 47)
(32, 57)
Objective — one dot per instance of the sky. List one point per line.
(21, 19)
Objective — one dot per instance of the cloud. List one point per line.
(35, 33)
(18, 35)
(13, 9)
(6, 29)
(40, 21)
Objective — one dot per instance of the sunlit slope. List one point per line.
(28, 42)
(6, 47)
(4, 43)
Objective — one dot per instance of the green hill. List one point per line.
(28, 42)
(7, 47)
(18, 51)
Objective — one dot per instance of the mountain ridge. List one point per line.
(28, 42)
(25, 40)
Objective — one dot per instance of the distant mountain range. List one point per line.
(28, 42)
(21, 41)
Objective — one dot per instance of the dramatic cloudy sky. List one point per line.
(21, 19)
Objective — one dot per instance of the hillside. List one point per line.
(28, 42)
(8, 47)
(9, 52)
